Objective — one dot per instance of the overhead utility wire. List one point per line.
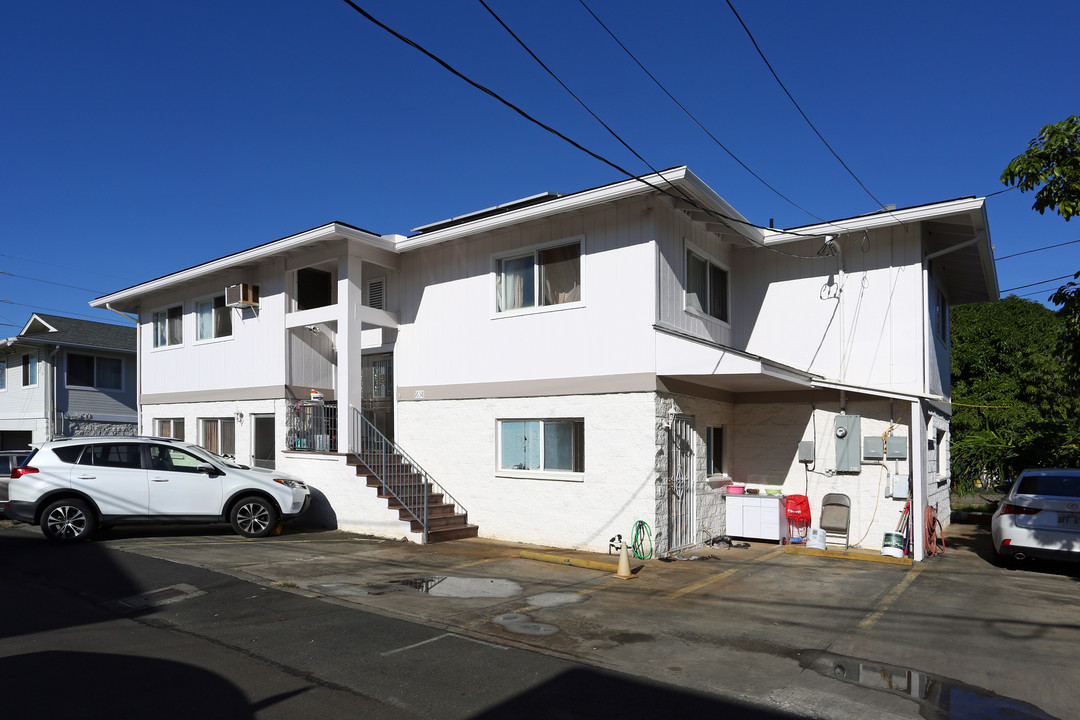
(575, 96)
(691, 115)
(797, 107)
(1041, 282)
(37, 307)
(1048, 247)
(48, 282)
(368, 16)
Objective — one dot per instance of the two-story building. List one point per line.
(64, 376)
(564, 366)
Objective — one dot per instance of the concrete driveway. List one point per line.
(815, 636)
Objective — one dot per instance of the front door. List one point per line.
(377, 402)
(681, 483)
(262, 441)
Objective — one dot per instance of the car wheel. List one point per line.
(254, 517)
(68, 521)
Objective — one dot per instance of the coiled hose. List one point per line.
(642, 534)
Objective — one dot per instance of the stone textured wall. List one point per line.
(83, 428)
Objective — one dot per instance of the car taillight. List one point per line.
(1008, 509)
(20, 471)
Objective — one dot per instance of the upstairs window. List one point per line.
(551, 276)
(169, 327)
(29, 370)
(95, 372)
(212, 319)
(706, 287)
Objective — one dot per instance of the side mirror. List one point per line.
(208, 469)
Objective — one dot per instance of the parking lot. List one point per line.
(816, 636)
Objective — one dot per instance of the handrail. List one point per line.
(400, 475)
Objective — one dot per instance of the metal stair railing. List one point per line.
(400, 476)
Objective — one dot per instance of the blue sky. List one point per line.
(140, 138)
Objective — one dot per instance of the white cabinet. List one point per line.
(763, 517)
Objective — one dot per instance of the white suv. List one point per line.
(71, 486)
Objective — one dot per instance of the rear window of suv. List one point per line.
(121, 455)
(1054, 485)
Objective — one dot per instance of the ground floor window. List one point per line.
(554, 444)
(169, 427)
(714, 441)
(219, 435)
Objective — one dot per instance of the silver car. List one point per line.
(1039, 517)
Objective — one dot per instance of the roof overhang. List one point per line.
(679, 182)
(127, 299)
(957, 242)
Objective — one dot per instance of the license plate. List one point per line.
(1069, 520)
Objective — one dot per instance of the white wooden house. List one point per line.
(65, 376)
(567, 365)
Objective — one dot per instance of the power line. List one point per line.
(1047, 247)
(1041, 282)
(488, 91)
(691, 115)
(807, 119)
(49, 282)
(55, 310)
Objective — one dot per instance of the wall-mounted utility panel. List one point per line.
(806, 451)
(896, 448)
(847, 443)
(901, 486)
(872, 449)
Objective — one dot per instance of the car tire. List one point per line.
(254, 517)
(68, 521)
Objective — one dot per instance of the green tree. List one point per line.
(1012, 405)
(1051, 167)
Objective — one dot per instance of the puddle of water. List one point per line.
(460, 587)
(340, 590)
(523, 625)
(939, 698)
(553, 599)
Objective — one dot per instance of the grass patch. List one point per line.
(286, 585)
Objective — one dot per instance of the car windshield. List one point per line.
(213, 457)
(1053, 485)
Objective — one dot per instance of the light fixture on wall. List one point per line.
(314, 329)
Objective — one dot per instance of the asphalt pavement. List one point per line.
(312, 623)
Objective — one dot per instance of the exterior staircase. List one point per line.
(406, 487)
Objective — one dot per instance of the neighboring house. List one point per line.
(61, 376)
(565, 366)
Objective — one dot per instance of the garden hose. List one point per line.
(642, 533)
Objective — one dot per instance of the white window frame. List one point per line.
(31, 359)
(153, 327)
(204, 422)
(172, 424)
(95, 386)
(688, 249)
(294, 301)
(195, 315)
(535, 250)
(541, 473)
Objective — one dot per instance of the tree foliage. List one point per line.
(1013, 407)
(1051, 166)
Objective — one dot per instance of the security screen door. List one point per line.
(681, 483)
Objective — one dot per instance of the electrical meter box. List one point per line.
(806, 451)
(896, 448)
(848, 438)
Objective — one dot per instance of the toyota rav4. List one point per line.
(72, 486)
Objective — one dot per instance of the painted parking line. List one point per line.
(721, 576)
(443, 637)
(890, 598)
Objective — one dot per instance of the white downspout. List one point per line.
(918, 480)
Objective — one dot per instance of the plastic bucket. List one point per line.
(893, 545)
(736, 489)
(815, 538)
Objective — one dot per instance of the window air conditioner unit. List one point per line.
(242, 295)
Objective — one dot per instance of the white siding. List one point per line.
(451, 334)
